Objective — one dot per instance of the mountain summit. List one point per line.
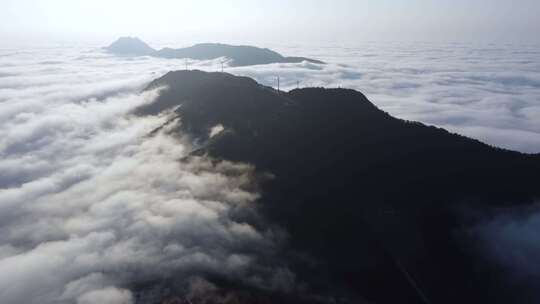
(374, 205)
(238, 55)
(130, 46)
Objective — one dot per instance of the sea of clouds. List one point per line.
(89, 200)
(92, 203)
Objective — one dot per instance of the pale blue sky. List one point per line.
(276, 20)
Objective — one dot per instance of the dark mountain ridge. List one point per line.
(374, 205)
(240, 55)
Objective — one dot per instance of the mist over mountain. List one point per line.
(269, 152)
(237, 55)
(376, 208)
(213, 188)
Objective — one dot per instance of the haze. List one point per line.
(280, 21)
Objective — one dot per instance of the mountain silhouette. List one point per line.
(237, 55)
(130, 46)
(372, 204)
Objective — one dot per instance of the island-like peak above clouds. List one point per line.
(239, 55)
(130, 46)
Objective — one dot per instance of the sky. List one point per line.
(302, 21)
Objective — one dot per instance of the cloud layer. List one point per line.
(488, 92)
(91, 205)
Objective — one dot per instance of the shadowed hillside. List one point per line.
(376, 207)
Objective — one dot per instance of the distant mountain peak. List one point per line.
(130, 46)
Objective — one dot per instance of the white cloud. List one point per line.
(90, 204)
(109, 295)
(215, 130)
